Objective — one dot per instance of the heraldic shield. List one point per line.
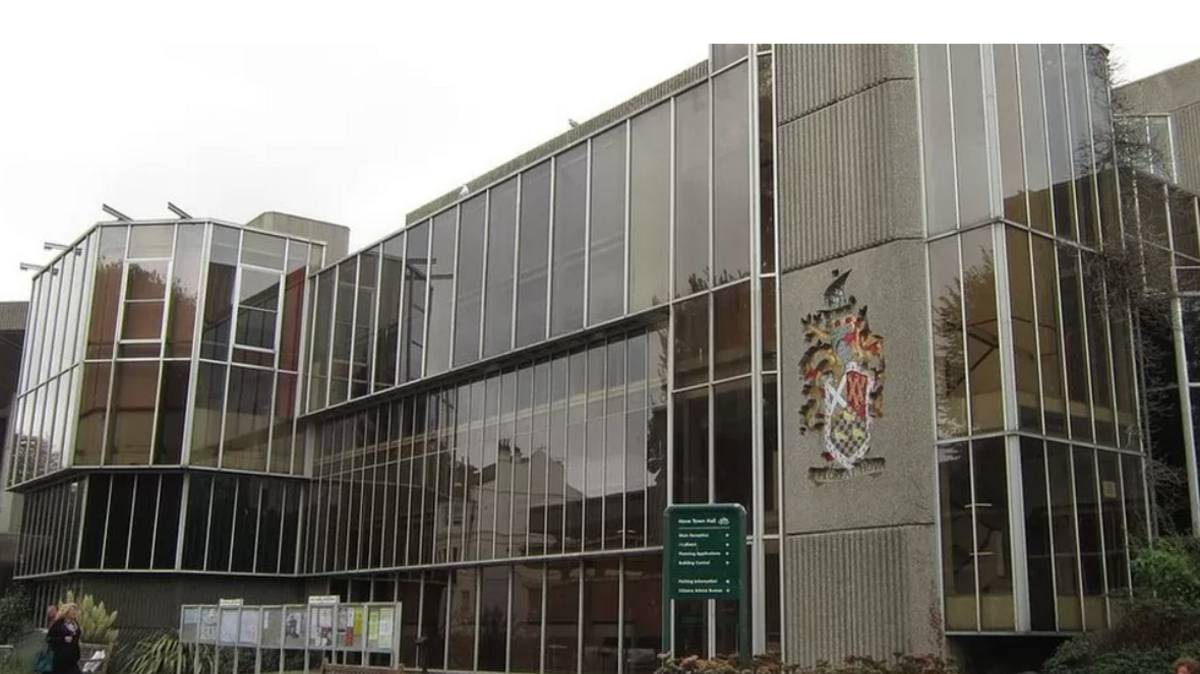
(842, 371)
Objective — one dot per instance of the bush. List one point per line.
(1076, 658)
(95, 621)
(772, 664)
(14, 616)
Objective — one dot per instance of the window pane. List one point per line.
(463, 600)
(167, 529)
(270, 523)
(135, 388)
(493, 619)
(441, 292)
(766, 160)
(245, 526)
(141, 536)
(1061, 152)
(143, 320)
(1074, 340)
(256, 328)
(733, 436)
(724, 54)
(1033, 117)
(147, 280)
(412, 347)
(970, 134)
(96, 511)
(206, 420)
(293, 320)
(469, 295)
(1090, 549)
(1025, 346)
(343, 330)
(387, 338)
(220, 528)
(691, 447)
(731, 331)
(643, 611)
(263, 250)
(1039, 553)
(649, 207)
(1066, 558)
(940, 201)
(364, 324)
(526, 637)
(1046, 296)
(731, 174)
(185, 290)
(534, 244)
(692, 150)
(106, 292)
(949, 362)
(606, 271)
(1183, 222)
(992, 534)
(321, 326)
(570, 240)
(502, 223)
(958, 537)
(1099, 355)
(562, 618)
(285, 413)
(1113, 523)
(691, 341)
(1008, 109)
(770, 355)
(120, 509)
(982, 330)
(247, 419)
(196, 524)
(151, 241)
(172, 410)
(601, 611)
(93, 413)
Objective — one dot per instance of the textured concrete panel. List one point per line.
(1187, 145)
(867, 593)
(1163, 92)
(153, 600)
(889, 281)
(336, 237)
(849, 176)
(813, 76)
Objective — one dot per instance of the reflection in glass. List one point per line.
(606, 265)
(733, 440)
(412, 345)
(643, 610)
(940, 199)
(185, 290)
(263, 250)
(534, 246)
(1046, 297)
(322, 324)
(958, 537)
(1033, 119)
(1008, 109)
(949, 361)
(525, 640)
(691, 191)
(469, 291)
(1024, 330)
(135, 387)
(731, 331)
(982, 331)
(731, 175)
(992, 536)
(218, 296)
(387, 338)
(1061, 152)
(248, 419)
(493, 619)
(441, 293)
(463, 600)
(343, 331)
(207, 413)
(172, 411)
(691, 447)
(562, 618)
(649, 207)
(1066, 557)
(691, 341)
(502, 223)
(601, 615)
(570, 240)
(364, 324)
(1075, 346)
(1038, 546)
(93, 413)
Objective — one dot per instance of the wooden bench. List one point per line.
(330, 668)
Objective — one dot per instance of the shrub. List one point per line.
(772, 664)
(14, 616)
(95, 621)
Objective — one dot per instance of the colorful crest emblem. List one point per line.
(842, 372)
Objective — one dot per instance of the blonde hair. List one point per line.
(63, 609)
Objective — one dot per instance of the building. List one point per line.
(868, 292)
(13, 316)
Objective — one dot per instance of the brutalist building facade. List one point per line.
(867, 292)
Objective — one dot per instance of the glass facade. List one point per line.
(1034, 368)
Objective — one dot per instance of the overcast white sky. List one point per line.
(95, 109)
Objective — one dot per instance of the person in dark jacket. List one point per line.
(63, 638)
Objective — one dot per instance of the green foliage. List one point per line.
(1076, 657)
(17, 663)
(152, 655)
(1169, 571)
(14, 616)
(772, 664)
(95, 620)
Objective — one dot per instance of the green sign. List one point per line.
(705, 551)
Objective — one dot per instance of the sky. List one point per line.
(356, 132)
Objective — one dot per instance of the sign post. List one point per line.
(705, 558)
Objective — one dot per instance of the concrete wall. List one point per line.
(1175, 92)
(848, 172)
(336, 237)
(859, 559)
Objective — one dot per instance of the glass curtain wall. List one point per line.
(1033, 365)
(568, 450)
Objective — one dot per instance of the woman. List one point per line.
(63, 638)
(1185, 666)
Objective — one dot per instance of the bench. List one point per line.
(330, 668)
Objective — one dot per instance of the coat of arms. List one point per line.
(842, 371)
